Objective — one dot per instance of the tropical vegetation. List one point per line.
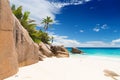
(46, 21)
(30, 26)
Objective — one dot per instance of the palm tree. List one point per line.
(52, 38)
(24, 18)
(13, 7)
(27, 23)
(46, 21)
(30, 25)
(17, 12)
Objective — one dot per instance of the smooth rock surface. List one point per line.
(27, 50)
(45, 49)
(60, 51)
(8, 55)
(16, 46)
(76, 51)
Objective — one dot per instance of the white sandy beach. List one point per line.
(83, 68)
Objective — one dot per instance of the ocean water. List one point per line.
(105, 52)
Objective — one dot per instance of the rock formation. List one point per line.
(8, 55)
(49, 50)
(16, 46)
(45, 49)
(27, 50)
(76, 51)
(59, 51)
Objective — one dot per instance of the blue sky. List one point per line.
(83, 23)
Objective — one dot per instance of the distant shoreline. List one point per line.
(102, 52)
(98, 47)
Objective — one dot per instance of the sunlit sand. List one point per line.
(82, 68)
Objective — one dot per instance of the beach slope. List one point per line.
(82, 68)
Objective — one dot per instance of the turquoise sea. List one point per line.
(105, 52)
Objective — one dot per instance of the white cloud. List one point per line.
(81, 31)
(64, 40)
(96, 29)
(41, 8)
(116, 41)
(87, 0)
(104, 26)
(100, 27)
(60, 4)
(97, 43)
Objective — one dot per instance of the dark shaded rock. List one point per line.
(76, 51)
(16, 46)
(60, 51)
(27, 51)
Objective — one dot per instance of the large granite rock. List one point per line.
(60, 51)
(76, 51)
(27, 50)
(36, 50)
(16, 46)
(8, 55)
(45, 49)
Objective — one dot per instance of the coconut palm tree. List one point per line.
(46, 21)
(13, 7)
(27, 23)
(52, 38)
(30, 25)
(17, 12)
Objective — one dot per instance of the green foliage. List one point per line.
(39, 36)
(35, 36)
(26, 16)
(30, 26)
(44, 37)
(13, 7)
(46, 21)
(18, 12)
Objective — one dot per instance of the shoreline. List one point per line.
(72, 68)
(97, 56)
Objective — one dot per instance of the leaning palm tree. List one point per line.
(17, 12)
(27, 23)
(46, 21)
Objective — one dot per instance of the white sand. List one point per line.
(83, 68)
